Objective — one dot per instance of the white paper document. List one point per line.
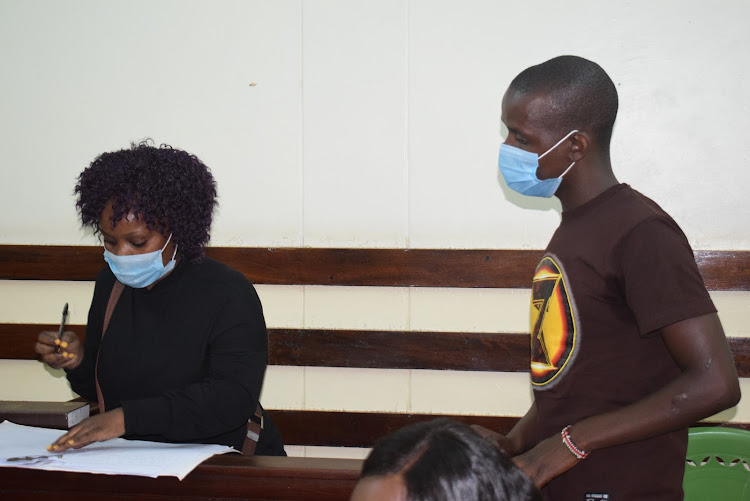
(26, 447)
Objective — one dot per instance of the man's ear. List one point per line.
(579, 147)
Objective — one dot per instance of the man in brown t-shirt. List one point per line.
(627, 350)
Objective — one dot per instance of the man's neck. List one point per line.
(588, 182)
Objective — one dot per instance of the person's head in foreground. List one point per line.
(152, 206)
(440, 460)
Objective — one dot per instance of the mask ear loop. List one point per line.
(165, 246)
(566, 170)
(558, 144)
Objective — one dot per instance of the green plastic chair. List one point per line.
(718, 465)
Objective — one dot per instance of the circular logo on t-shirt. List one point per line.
(553, 328)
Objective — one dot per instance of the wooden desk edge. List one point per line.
(226, 476)
(265, 466)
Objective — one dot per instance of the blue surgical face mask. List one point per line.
(140, 270)
(519, 170)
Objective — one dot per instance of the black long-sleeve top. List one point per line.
(185, 360)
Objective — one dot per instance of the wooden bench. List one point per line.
(469, 351)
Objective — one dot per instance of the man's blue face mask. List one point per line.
(519, 170)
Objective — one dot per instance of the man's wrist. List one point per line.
(515, 444)
(568, 441)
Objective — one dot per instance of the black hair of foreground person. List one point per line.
(444, 460)
(170, 189)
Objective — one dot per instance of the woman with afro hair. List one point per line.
(176, 344)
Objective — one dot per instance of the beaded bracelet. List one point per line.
(570, 445)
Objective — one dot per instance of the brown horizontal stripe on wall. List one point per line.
(362, 429)
(721, 270)
(463, 351)
(469, 351)
(347, 348)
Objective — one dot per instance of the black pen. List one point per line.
(62, 326)
(36, 459)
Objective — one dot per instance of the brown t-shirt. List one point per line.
(616, 271)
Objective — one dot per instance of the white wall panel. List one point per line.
(91, 76)
(359, 390)
(682, 98)
(258, 162)
(469, 310)
(32, 380)
(372, 123)
(283, 305)
(678, 103)
(38, 301)
(461, 60)
(374, 308)
(354, 112)
(283, 387)
(492, 393)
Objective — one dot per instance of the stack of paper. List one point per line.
(25, 447)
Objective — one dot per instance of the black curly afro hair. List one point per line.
(171, 190)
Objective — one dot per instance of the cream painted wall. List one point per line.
(372, 123)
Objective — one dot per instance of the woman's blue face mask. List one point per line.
(519, 170)
(140, 270)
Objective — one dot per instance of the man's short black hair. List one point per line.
(581, 94)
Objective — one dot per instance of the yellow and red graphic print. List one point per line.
(553, 326)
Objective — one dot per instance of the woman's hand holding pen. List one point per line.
(59, 352)
(97, 428)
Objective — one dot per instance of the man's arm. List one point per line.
(520, 436)
(707, 384)
(518, 439)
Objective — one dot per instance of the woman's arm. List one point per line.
(217, 404)
(231, 376)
